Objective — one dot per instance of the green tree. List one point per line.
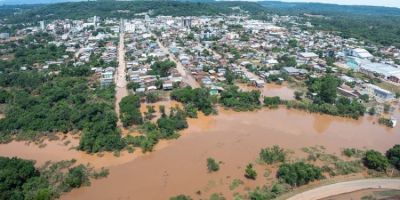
(375, 160)
(328, 92)
(393, 154)
(76, 177)
(299, 173)
(161, 68)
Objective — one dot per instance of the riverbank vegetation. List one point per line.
(323, 98)
(238, 100)
(299, 173)
(166, 127)
(130, 111)
(198, 99)
(20, 179)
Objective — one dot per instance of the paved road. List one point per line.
(120, 77)
(187, 77)
(345, 187)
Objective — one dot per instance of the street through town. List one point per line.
(120, 76)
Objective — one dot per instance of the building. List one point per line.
(308, 55)
(294, 71)
(42, 26)
(360, 53)
(4, 36)
(379, 93)
(187, 22)
(129, 27)
(106, 78)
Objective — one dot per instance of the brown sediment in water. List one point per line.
(234, 139)
(272, 89)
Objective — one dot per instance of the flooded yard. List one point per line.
(272, 89)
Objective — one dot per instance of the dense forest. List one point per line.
(373, 24)
(127, 9)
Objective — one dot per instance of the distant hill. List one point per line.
(20, 2)
(327, 9)
(375, 24)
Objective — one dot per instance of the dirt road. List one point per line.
(345, 187)
(120, 77)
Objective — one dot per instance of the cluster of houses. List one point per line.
(209, 46)
(142, 51)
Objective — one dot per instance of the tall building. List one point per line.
(42, 27)
(95, 20)
(187, 22)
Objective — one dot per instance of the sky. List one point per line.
(388, 3)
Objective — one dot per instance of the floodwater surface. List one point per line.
(235, 139)
(272, 89)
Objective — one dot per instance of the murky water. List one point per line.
(272, 89)
(234, 139)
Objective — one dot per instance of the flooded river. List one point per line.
(179, 166)
(234, 139)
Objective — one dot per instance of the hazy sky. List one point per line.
(390, 3)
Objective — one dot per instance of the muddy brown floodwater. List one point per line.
(235, 139)
(272, 89)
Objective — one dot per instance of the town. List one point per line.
(275, 57)
(193, 100)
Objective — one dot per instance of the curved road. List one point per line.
(346, 187)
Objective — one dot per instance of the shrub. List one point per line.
(272, 155)
(386, 122)
(212, 165)
(235, 183)
(272, 102)
(250, 173)
(181, 197)
(352, 152)
(217, 196)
